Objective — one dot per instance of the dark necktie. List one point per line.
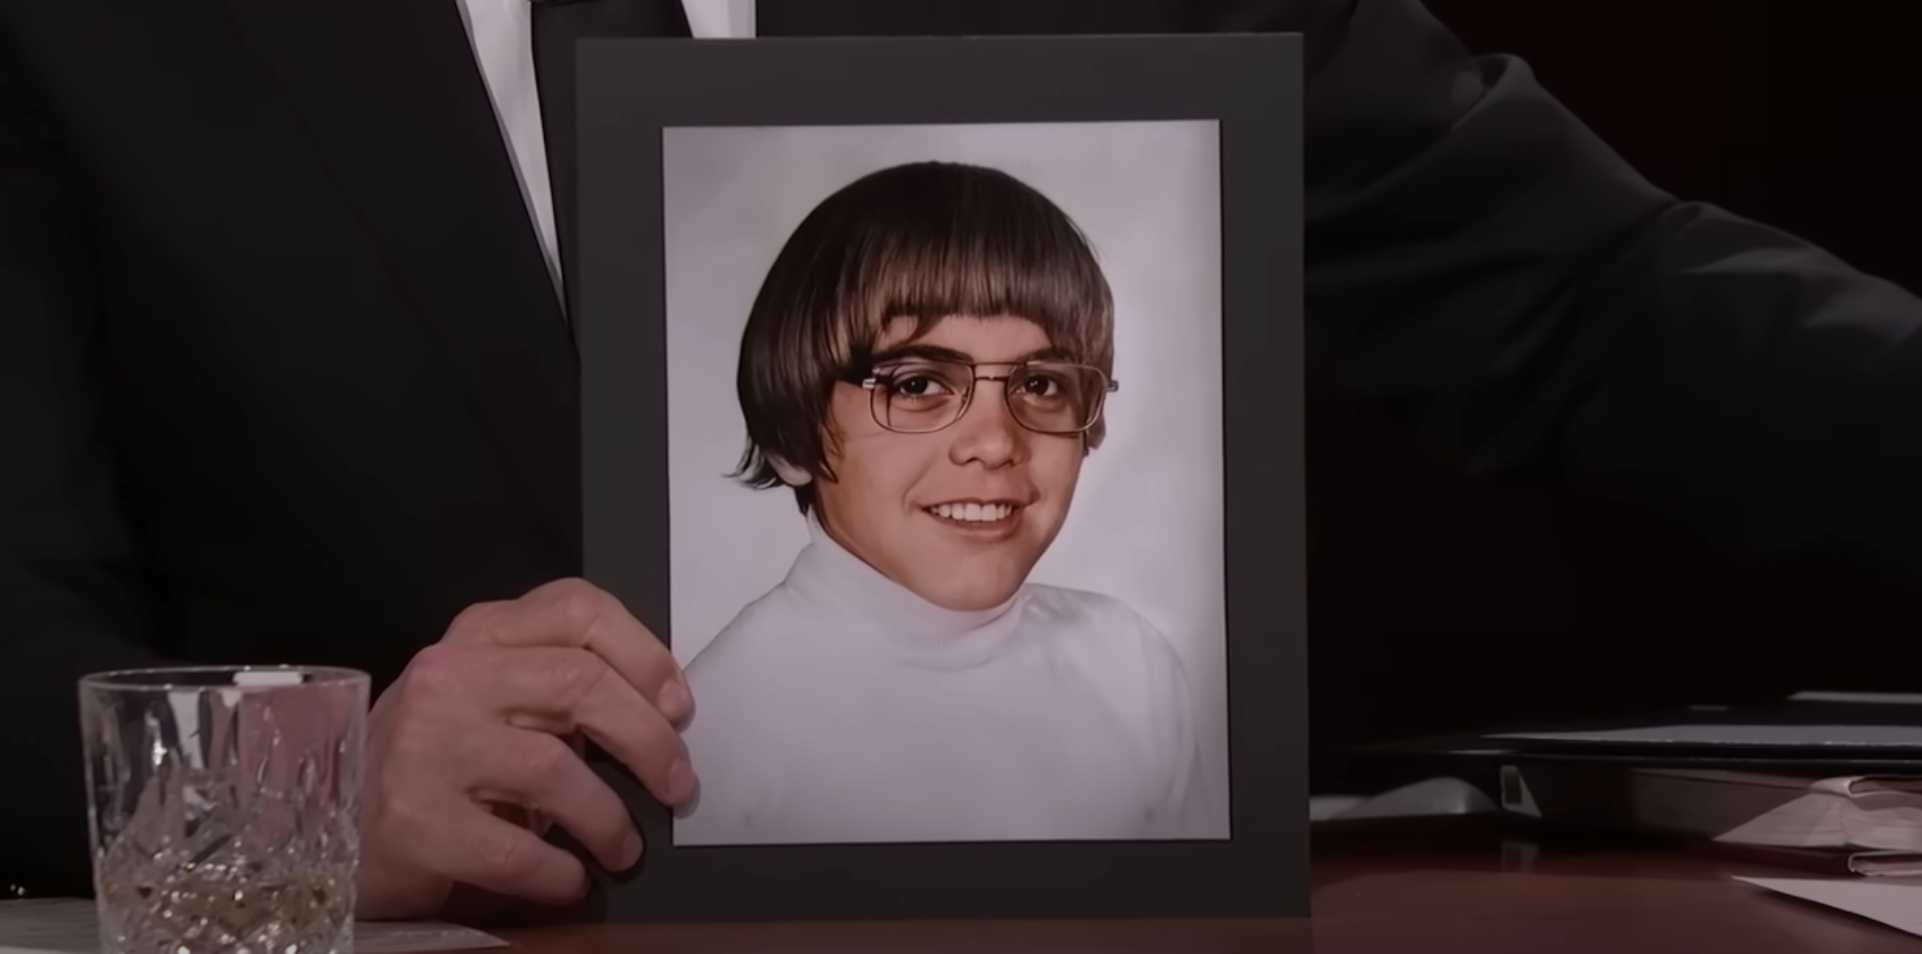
(557, 25)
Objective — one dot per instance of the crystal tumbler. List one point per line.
(224, 807)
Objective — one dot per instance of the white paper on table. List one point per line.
(1896, 903)
(70, 926)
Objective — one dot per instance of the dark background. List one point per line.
(1437, 604)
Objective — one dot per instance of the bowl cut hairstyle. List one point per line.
(921, 242)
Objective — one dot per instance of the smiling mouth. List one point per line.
(975, 513)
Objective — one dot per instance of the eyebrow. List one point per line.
(926, 352)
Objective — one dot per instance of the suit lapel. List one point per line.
(394, 101)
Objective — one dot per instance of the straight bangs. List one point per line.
(975, 270)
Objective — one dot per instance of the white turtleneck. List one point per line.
(840, 707)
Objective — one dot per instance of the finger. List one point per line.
(571, 690)
(575, 613)
(466, 843)
(560, 691)
(542, 773)
(533, 819)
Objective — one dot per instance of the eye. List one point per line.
(917, 385)
(1041, 385)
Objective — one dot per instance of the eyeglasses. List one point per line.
(923, 395)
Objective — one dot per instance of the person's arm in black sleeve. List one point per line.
(1489, 272)
(66, 606)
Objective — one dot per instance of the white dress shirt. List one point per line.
(842, 708)
(501, 32)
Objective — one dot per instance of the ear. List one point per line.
(791, 475)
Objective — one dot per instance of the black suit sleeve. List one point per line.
(1492, 275)
(66, 606)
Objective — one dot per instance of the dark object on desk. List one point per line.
(1799, 737)
(1842, 813)
(1789, 731)
(1833, 785)
(1776, 779)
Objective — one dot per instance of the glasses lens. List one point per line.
(923, 396)
(1056, 398)
(919, 396)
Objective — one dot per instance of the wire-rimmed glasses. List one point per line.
(923, 395)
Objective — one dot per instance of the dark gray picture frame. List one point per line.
(629, 91)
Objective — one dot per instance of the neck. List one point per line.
(858, 600)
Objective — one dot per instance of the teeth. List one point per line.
(972, 512)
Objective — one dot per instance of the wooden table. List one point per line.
(1381, 888)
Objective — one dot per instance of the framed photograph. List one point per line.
(942, 410)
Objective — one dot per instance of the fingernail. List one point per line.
(680, 781)
(632, 850)
(676, 700)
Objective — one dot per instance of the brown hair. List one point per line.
(922, 241)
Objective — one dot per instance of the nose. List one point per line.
(988, 434)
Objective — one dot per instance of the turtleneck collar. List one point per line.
(854, 599)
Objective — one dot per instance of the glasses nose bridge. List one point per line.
(976, 379)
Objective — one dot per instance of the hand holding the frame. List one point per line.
(493, 715)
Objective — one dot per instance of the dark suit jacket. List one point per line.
(282, 376)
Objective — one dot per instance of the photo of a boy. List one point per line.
(926, 369)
